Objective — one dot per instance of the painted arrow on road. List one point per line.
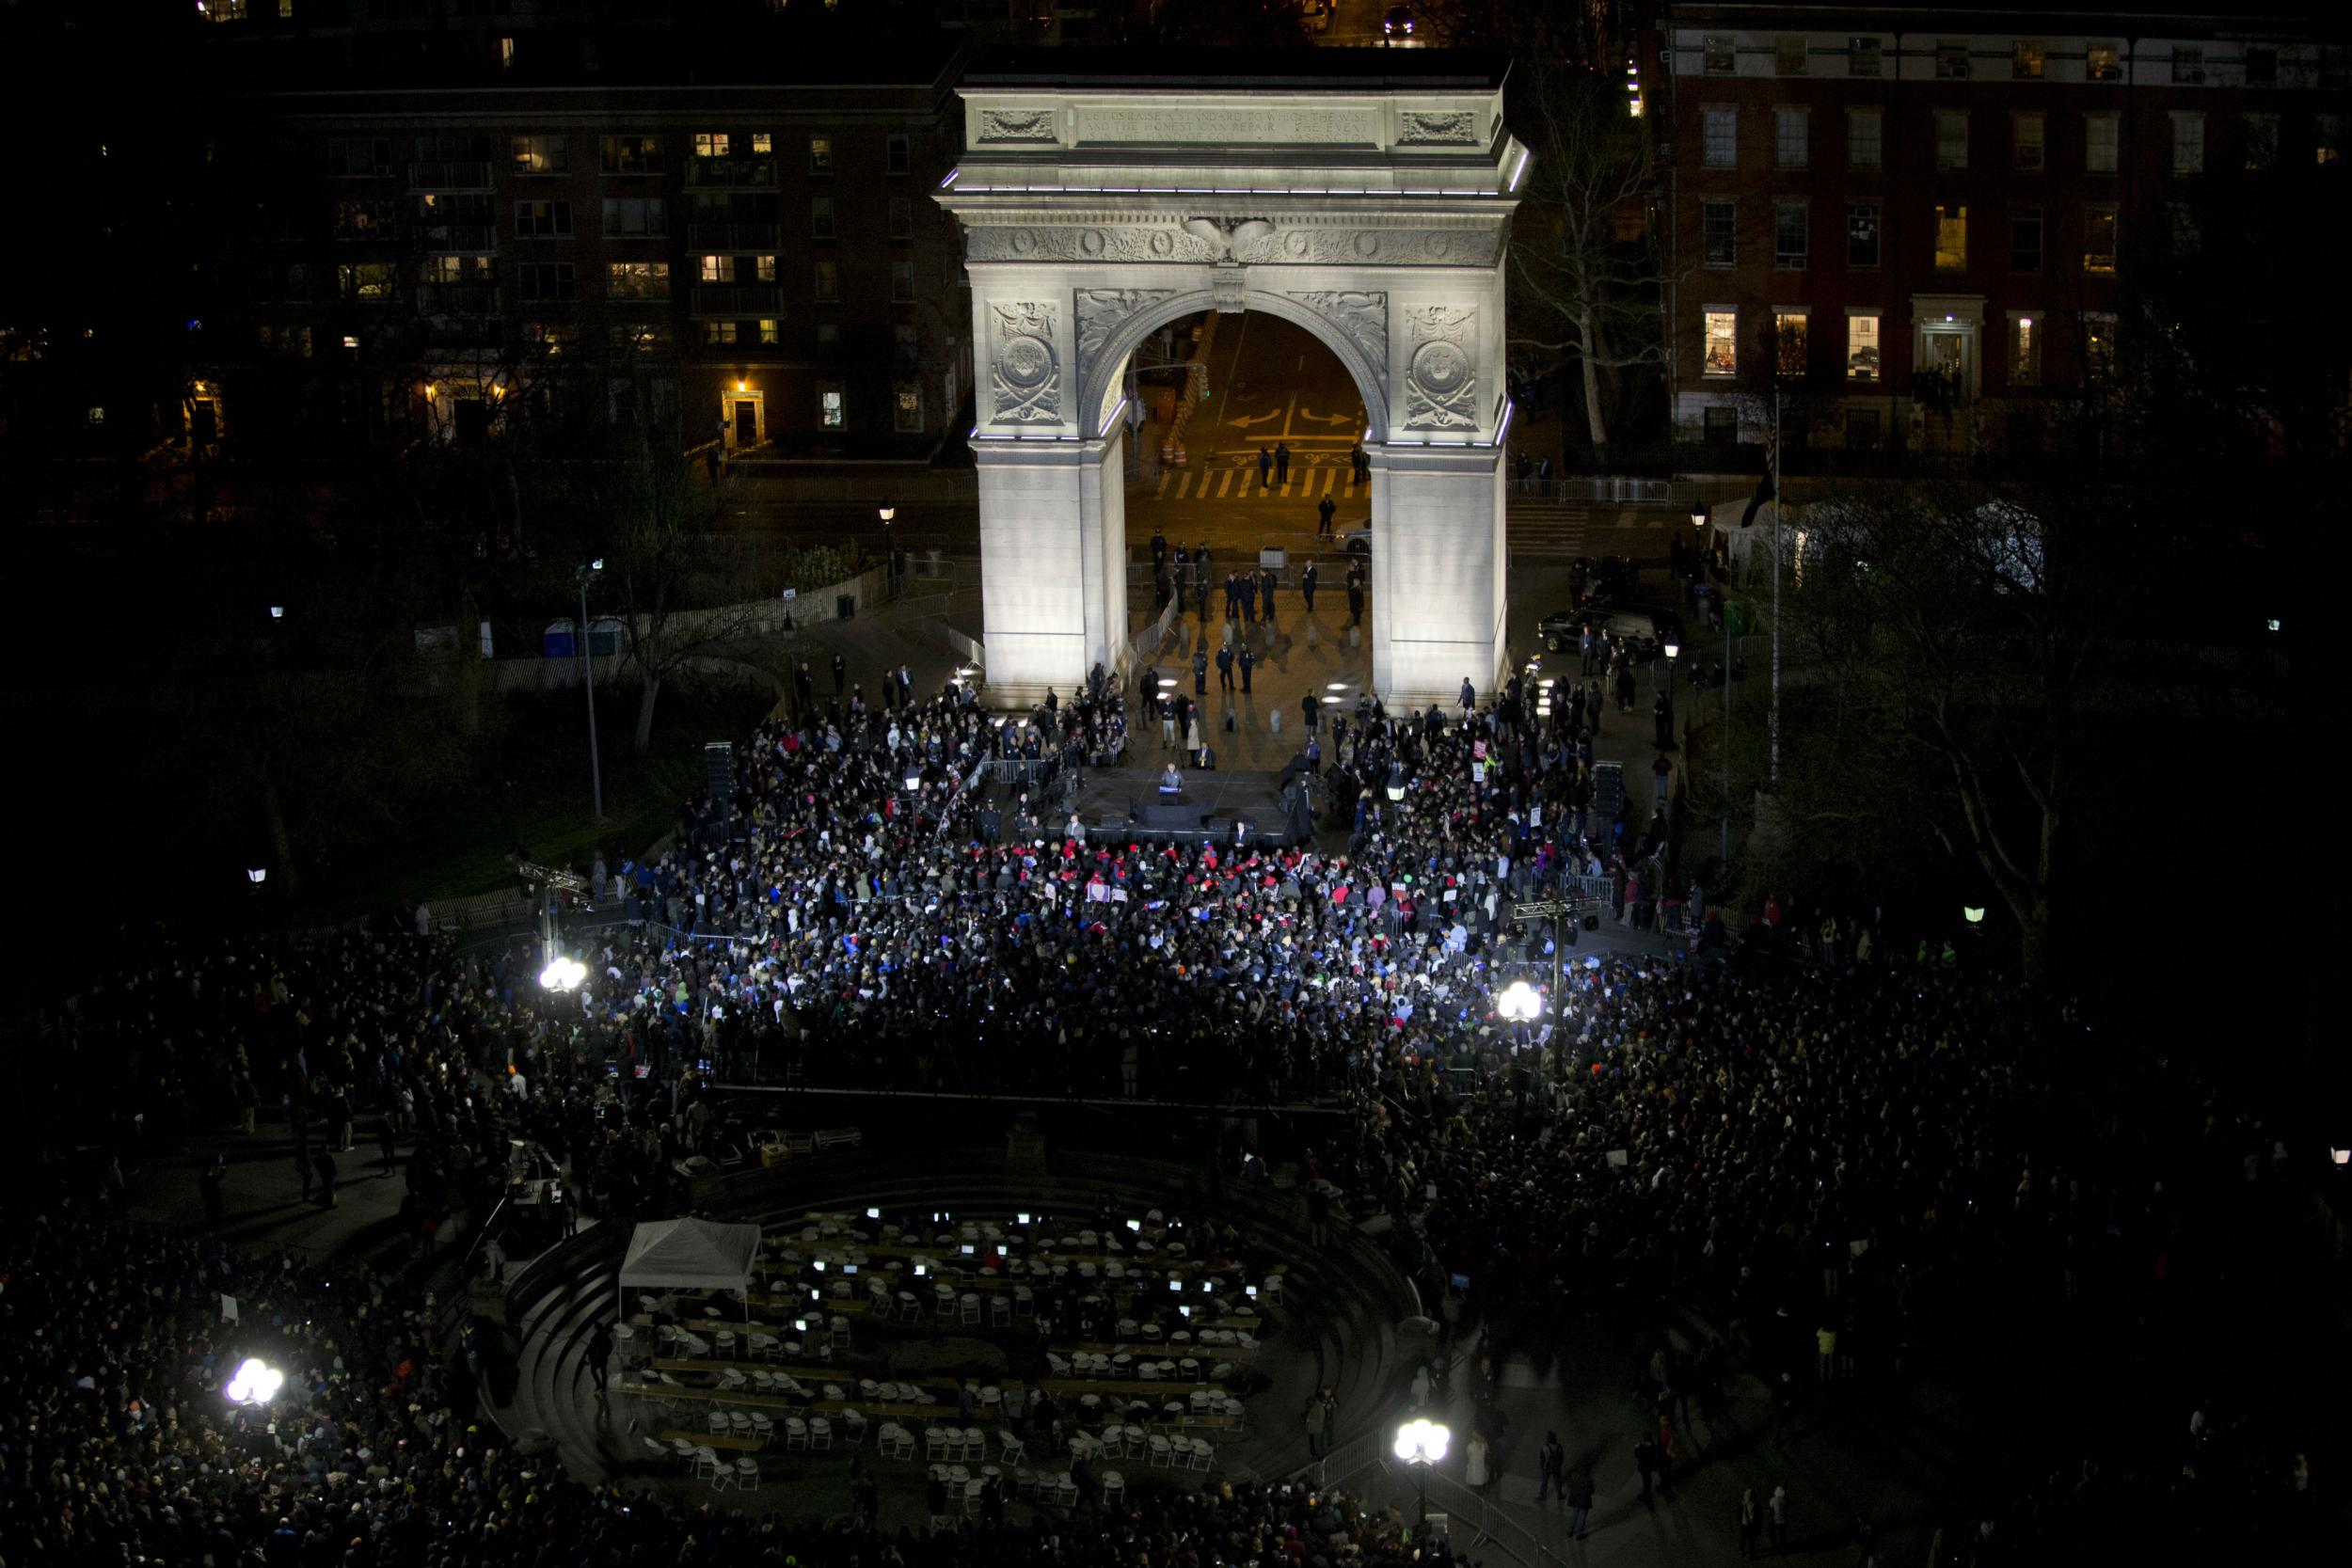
(1311, 416)
(1255, 419)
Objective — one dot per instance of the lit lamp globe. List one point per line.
(1520, 1002)
(257, 875)
(563, 974)
(256, 1382)
(1973, 913)
(1422, 1441)
(1674, 650)
(1699, 517)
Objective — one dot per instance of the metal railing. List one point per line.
(1595, 490)
(460, 237)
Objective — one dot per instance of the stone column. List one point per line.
(1437, 566)
(1053, 563)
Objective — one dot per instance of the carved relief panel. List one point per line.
(1024, 366)
(1441, 368)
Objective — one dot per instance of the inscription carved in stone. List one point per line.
(1297, 246)
(1024, 372)
(1228, 125)
(1441, 374)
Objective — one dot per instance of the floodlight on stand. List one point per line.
(1520, 1002)
(563, 974)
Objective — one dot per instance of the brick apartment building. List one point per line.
(443, 216)
(1872, 194)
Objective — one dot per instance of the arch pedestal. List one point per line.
(1373, 211)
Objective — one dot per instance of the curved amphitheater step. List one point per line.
(1336, 1325)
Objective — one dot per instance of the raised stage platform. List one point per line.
(1127, 802)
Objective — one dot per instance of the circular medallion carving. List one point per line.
(1023, 242)
(1439, 245)
(1091, 242)
(1025, 361)
(1367, 245)
(1440, 367)
(1295, 244)
(1162, 241)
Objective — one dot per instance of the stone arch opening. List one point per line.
(1368, 204)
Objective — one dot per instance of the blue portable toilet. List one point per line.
(560, 641)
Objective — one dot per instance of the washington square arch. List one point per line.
(1369, 202)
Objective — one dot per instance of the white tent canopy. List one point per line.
(690, 1255)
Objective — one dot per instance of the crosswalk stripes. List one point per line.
(1241, 485)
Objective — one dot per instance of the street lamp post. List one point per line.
(588, 668)
(1422, 1444)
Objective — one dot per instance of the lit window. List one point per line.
(762, 144)
(541, 155)
(2101, 133)
(1788, 341)
(1721, 125)
(1951, 60)
(2024, 238)
(2188, 141)
(1862, 235)
(1720, 230)
(907, 407)
(828, 282)
(769, 332)
(1951, 238)
(2026, 132)
(2024, 350)
(719, 332)
(2098, 239)
(1788, 54)
(1790, 236)
(2103, 62)
(820, 154)
(710, 144)
(636, 280)
(633, 154)
(1718, 57)
(714, 269)
(1952, 138)
(1861, 56)
(831, 412)
(2026, 60)
(2188, 66)
(1722, 343)
(1791, 138)
(1865, 139)
(1862, 347)
(765, 268)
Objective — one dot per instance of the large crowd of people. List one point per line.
(1808, 1143)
